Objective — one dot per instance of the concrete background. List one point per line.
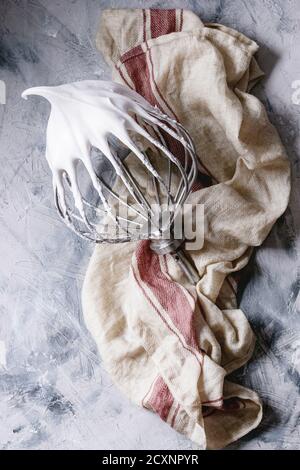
(54, 393)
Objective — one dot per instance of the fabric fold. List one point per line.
(169, 345)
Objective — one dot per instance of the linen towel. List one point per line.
(167, 344)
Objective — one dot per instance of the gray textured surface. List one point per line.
(54, 392)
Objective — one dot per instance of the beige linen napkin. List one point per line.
(169, 345)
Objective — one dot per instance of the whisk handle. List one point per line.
(175, 248)
(186, 266)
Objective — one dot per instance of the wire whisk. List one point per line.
(122, 169)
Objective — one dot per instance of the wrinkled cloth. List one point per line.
(167, 344)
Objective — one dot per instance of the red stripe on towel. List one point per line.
(181, 20)
(137, 69)
(162, 22)
(220, 399)
(161, 399)
(144, 25)
(185, 346)
(169, 295)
